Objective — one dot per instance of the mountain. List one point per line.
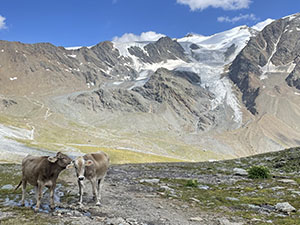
(194, 98)
(266, 72)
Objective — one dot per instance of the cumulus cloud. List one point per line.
(2, 22)
(224, 4)
(237, 18)
(145, 36)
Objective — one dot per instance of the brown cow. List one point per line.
(94, 168)
(41, 171)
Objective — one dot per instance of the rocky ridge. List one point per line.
(274, 50)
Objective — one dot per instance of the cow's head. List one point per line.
(79, 164)
(61, 159)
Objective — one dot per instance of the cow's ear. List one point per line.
(52, 159)
(89, 163)
(70, 166)
(58, 155)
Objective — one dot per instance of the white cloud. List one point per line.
(237, 18)
(145, 36)
(2, 22)
(224, 4)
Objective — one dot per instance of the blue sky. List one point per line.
(88, 22)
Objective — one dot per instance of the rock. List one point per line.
(253, 207)
(224, 221)
(166, 188)
(288, 181)
(150, 181)
(195, 200)
(4, 215)
(232, 199)
(285, 207)
(203, 187)
(116, 221)
(240, 172)
(196, 219)
(296, 192)
(277, 188)
(7, 187)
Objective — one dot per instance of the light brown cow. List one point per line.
(93, 167)
(41, 171)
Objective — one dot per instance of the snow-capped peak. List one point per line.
(261, 25)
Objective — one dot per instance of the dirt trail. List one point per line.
(126, 199)
(132, 195)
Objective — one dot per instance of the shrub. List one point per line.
(259, 172)
(192, 183)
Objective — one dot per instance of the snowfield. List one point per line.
(208, 60)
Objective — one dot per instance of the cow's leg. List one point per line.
(52, 189)
(100, 185)
(24, 183)
(80, 187)
(93, 184)
(39, 195)
(95, 191)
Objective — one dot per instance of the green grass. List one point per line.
(26, 216)
(248, 192)
(125, 156)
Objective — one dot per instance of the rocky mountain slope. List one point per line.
(195, 98)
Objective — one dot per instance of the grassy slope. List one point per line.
(254, 197)
(60, 134)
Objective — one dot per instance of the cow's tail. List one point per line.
(18, 185)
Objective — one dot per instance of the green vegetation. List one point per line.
(251, 199)
(259, 172)
(26, 216)
(118, 156)
(56, 133)
(192, 183)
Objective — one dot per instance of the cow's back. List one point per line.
(100, 164)
(32, 167)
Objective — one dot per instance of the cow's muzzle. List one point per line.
(81, 178)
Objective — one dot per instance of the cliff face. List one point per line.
(275, 49)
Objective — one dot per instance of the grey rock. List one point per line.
(197, 219)
(285, 207)
(116, 221)
(240, 172)
(166, 188)
(150, 181)
(232, 199)
(203, 187)
(7, 187)
(288, 181)
(224, 221)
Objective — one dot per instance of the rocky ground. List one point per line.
(178, 193)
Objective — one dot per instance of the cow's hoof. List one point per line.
(98, 204)
(36, 209)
